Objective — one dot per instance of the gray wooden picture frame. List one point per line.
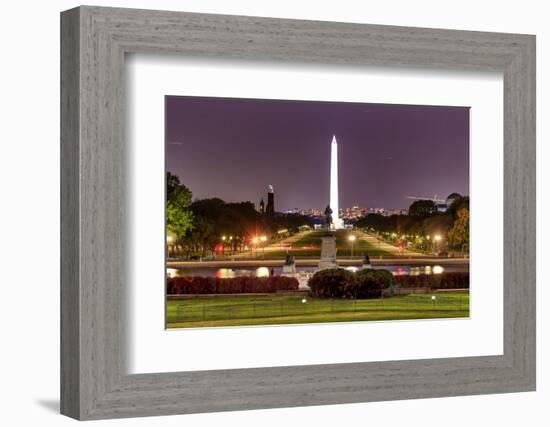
(94, 381)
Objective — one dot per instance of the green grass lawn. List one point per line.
(302, 246)
(278, 309)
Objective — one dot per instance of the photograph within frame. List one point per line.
(236, 258)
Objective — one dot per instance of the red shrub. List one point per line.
(236, 285)
(451, 280)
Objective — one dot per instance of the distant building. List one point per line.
(270, 208)
(353, 213)
(387, 212)
(379, 211)
(262, 206)
(443, 207)
(314, 213)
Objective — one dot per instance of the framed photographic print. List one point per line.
(242, 253)
(262, 213)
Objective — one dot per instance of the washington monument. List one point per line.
(337, 222)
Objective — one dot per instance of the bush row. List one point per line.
(236, 285)
(340, 283)
(451, 280)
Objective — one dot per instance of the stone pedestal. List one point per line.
(366, 261)
(289, 268)
(328, 252)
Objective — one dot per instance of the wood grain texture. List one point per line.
(70, 290)
(94, 382)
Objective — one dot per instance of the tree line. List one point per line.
(424, 220)
(201, 227)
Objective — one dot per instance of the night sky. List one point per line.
(234, 148)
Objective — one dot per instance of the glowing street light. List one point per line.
(169, 241)
(223, 238)
(352, 238)
(437, 239)
(255, 241)
(263, 239)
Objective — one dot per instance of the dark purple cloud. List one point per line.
(234, 148)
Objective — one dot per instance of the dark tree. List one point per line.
(422, 208)
(179, 218)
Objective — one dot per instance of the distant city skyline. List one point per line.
(234, 148)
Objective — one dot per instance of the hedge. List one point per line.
(330, 283)
(236, 285)
(370, 283)
(451, 280)
(375, 283)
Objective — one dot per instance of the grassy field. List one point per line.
(310, 246)
(277, 309)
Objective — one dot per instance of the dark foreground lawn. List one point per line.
(277, 309)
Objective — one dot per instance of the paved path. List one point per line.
(391, 249)
(272, 247)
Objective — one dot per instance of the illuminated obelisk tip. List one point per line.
(336, 221)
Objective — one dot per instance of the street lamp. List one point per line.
(437, 239)
(255, 244)
(263, 239)
(169, 240)
(352, 240)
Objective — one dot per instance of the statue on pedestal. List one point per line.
(328, 217)
(289, 266)
(366, 261)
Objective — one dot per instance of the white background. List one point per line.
(152, 348)
(29, 233)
